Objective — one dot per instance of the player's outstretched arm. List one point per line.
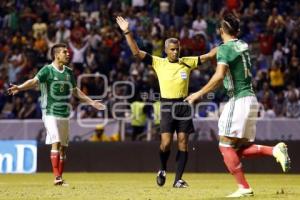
(83, 98)
(209, 56)
(213, 83)
(124, 26)
(29, 84)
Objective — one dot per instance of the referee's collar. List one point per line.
(173, 61)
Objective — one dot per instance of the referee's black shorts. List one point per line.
(176, 115)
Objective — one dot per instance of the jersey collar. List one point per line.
(60, 71)
(172, 61)
(231, 40)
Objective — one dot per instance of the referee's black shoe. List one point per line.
(180, 184)
(161, 177)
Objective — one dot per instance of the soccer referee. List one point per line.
(176, 115)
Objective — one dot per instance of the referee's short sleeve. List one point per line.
(192, 61)
(148, 59)
(157, 62)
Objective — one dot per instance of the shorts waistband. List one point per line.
(172, 99)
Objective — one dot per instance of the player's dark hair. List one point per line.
(230, 24)
(55, 49)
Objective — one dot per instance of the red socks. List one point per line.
(55, 162)
(234, 165)
(61, 165)
(255, 150)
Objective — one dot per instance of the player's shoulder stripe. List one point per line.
(225, 48)
(68, 68)
(223, 45)
(48, 66)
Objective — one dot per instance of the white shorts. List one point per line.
(239, 117)
(57, 130)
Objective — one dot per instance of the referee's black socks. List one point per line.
(181, 160)
(164, 156)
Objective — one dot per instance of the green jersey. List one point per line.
(56, 89)
(235, 54)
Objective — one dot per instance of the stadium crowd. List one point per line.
(103, 64)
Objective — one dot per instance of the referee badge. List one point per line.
(183, 75)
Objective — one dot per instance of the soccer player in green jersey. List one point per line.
(57, 83)
(173, 75)
(237, 122)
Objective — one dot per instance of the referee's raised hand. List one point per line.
(123, 23)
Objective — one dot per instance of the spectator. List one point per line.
(276, 77)
(94, 39)
(39, 27)
(280, 105)
(63, 34)
(28, 109)
(100, 136)
(275, 20)
(278, 53)
(164, 13)
(138, 120)
(40, 44)
(292, 105)
(269, 27)
(292, 73)
(266, 92)
(266, 40)
(63, 21)
(199, 25)
(78, 32)
(157, 28)
(180, 7)
(28, 17)
(78, 50)
(157, 44)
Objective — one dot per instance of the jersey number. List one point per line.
(61, 88)
(246, 63)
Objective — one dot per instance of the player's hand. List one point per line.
(192, 98)
(14, 89)
(123, 23)
(99, 106)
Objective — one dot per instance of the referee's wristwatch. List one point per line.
(126, 32)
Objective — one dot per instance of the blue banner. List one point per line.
(18, 156)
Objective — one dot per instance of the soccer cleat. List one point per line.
(58, 181)
(241, 192)
(280, 152)
(161, 177)
(180, 184)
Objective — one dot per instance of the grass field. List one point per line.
(142, 186)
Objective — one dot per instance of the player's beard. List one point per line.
(67, 60)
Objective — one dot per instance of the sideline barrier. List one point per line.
(144, 157)
(206, 129)
(18, 156)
